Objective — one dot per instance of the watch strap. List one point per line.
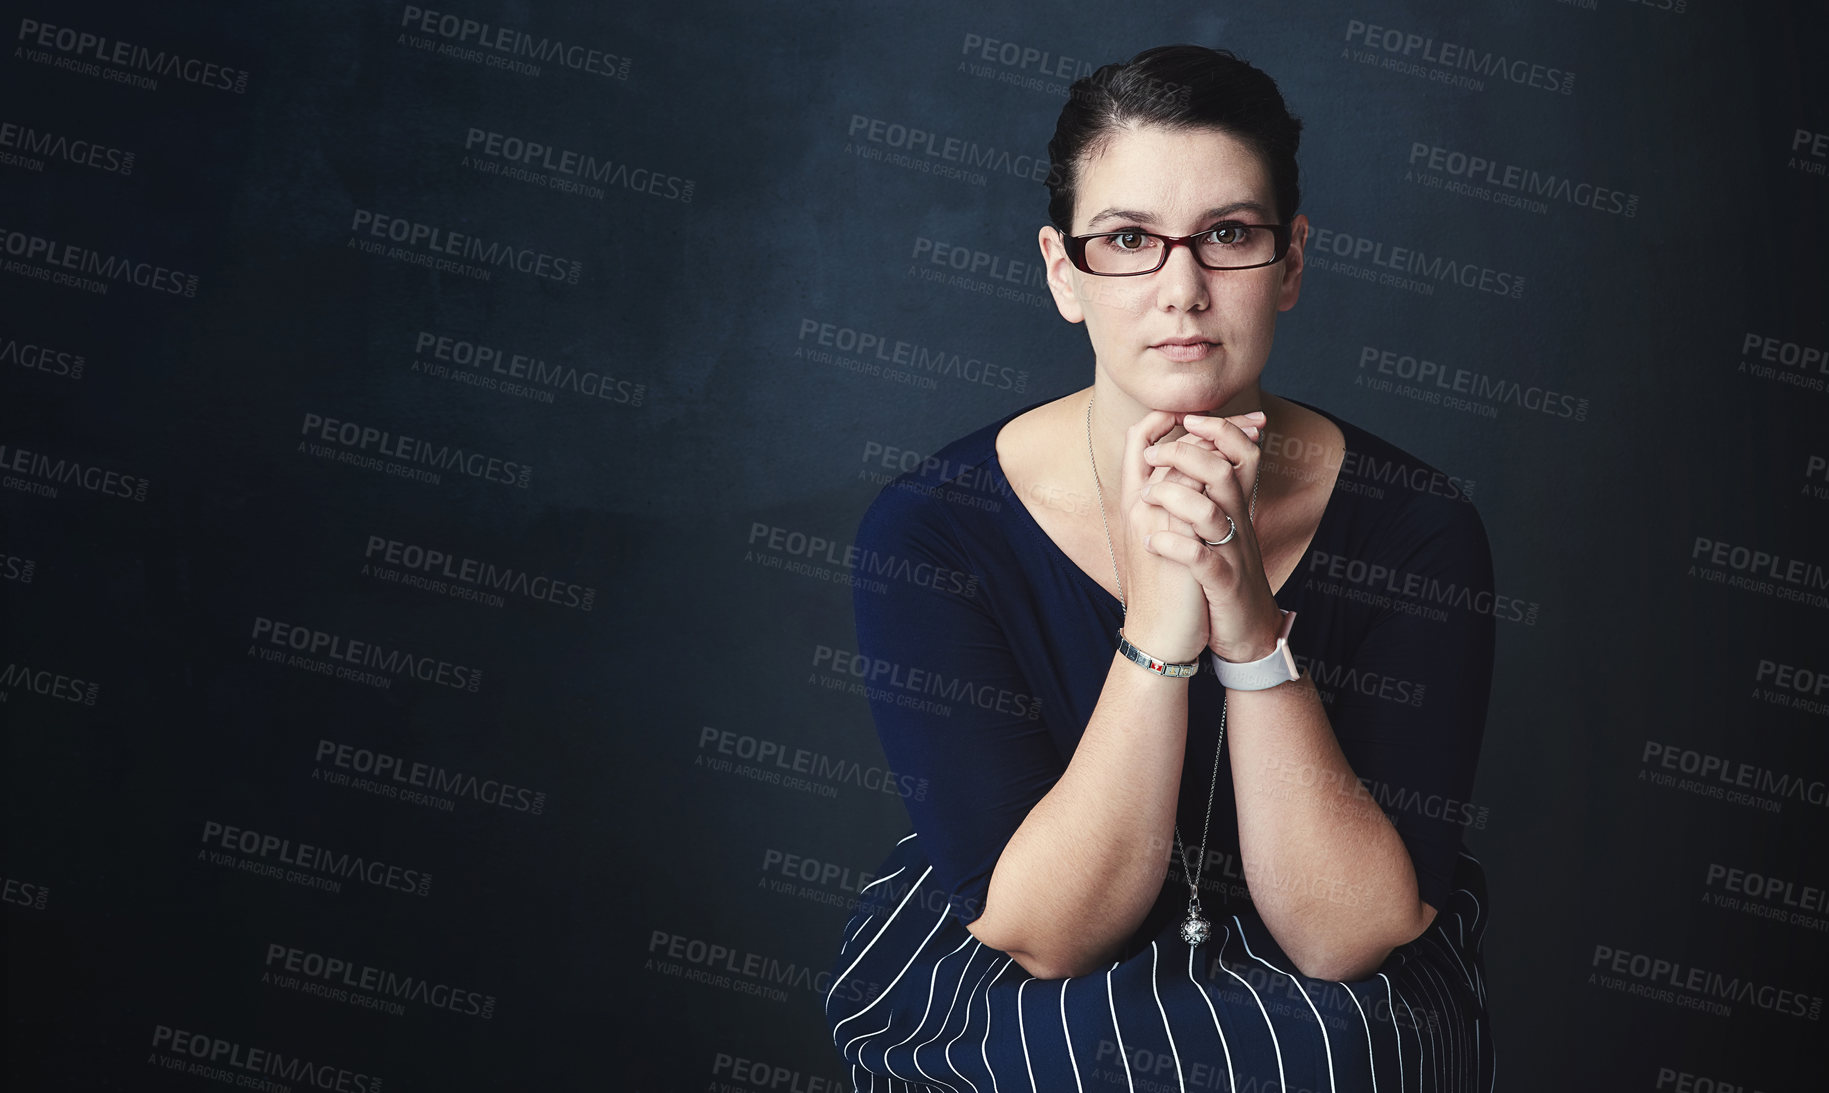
(1279, 666)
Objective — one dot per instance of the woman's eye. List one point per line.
(1229, 235)
(1129, 240)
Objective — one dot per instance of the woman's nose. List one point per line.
(1181, 283)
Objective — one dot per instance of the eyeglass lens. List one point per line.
(1229, 246)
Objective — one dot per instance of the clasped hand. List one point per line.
(1178, 493)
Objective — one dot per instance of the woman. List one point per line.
(1171, 866)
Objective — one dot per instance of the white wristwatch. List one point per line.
(1259, 675)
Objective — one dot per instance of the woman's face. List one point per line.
(1183, 338)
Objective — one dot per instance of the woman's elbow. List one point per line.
(1359, 961)
(1342, 967)
(1042, 962)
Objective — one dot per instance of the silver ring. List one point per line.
(1231, 530)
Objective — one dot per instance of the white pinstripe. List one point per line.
(1371, 1059)
(1231, 1081)
(946, 1053)
(1419, 1040)
(1111, 1003)
(1072, 1063)
(933, 979)
(1166, 1030)
(1276, 1045)
(1454, 1054)
(1464, 1063)
(846, 1050)
(984, 1048)
(899, 870)
(898, 975)
(1327, 1043)
(1023, 1032)
(1456, 1038)
(879, 936)
(1391, 1008)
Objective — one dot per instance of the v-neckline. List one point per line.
(1027, 518)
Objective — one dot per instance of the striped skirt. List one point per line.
(918, 1004)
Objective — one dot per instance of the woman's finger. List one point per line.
(1213, 473)
(1237, 436)
(1176, 546)
(1199, 511)
(1135, 471)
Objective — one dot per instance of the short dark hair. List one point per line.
(1177, 87)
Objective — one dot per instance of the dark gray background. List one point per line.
(652, 503)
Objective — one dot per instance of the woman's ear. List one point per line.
(1291, 288)
(1061, 274)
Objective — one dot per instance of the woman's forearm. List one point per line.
(1088, 862)
(1328, 873)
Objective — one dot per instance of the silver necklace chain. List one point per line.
(1195, 928)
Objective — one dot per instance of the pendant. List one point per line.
(1195, 929)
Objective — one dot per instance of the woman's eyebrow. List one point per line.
(1148, 218)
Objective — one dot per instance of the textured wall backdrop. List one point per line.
(432, 437)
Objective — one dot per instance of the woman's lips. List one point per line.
(1184, 352)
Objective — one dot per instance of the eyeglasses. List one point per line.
(1131, 253)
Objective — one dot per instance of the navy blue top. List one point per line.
(1395, 624)
(986, 657)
